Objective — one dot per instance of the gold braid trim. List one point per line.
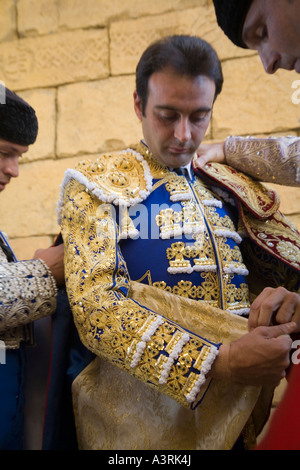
(256, 197)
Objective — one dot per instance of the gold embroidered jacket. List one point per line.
(28, 292)
(272, 159)
(126, 218)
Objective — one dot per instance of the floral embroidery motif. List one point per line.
(289, 251)
(179, 251)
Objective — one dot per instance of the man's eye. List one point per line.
(200, 117)
(168, 117)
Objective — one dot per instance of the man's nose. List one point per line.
(12, 167)
(270, 60)
(183, 130)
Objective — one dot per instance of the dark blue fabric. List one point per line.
(69, 358)
(12, 400)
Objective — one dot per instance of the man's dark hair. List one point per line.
(186, 55)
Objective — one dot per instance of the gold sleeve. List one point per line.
(274, 159)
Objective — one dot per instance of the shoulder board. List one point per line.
(122, 179)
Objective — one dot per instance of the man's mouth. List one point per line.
(180, 150)
(293, 66)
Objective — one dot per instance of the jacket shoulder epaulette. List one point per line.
(122, 178)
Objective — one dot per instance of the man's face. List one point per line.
(9, 164)
(177, 115)
(272, 27)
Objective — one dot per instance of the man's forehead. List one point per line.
(166, 91)
(168, 80)
(11, 146)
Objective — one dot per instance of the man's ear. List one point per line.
(138, 105)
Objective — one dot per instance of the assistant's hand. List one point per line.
(262, 356)
(275, 306)
(54, 258)
(257, 358)
(210, 153)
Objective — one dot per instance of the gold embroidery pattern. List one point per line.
(202, 253)
(232, 260)
(209, 290)
(28, 293)
(116, 177)
(260, 215)
(169, 222)
(178, 188)
(274, 160)
(275, 238)
(174, 223)
(205, 195)
(236, 298)
(192, 218)
(179, 251)
(199, 254)
(268, 270)
(289, 251)
(218, 221)
(245, 188)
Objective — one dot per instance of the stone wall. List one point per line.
(74, 62)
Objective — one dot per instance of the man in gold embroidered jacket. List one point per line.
(161, 268)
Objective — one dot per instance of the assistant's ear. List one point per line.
(138, 105)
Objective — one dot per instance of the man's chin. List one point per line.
(180, 160)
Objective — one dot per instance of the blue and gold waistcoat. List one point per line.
(124, 218)
(186, 242)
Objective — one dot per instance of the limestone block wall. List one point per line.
(75, 61)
